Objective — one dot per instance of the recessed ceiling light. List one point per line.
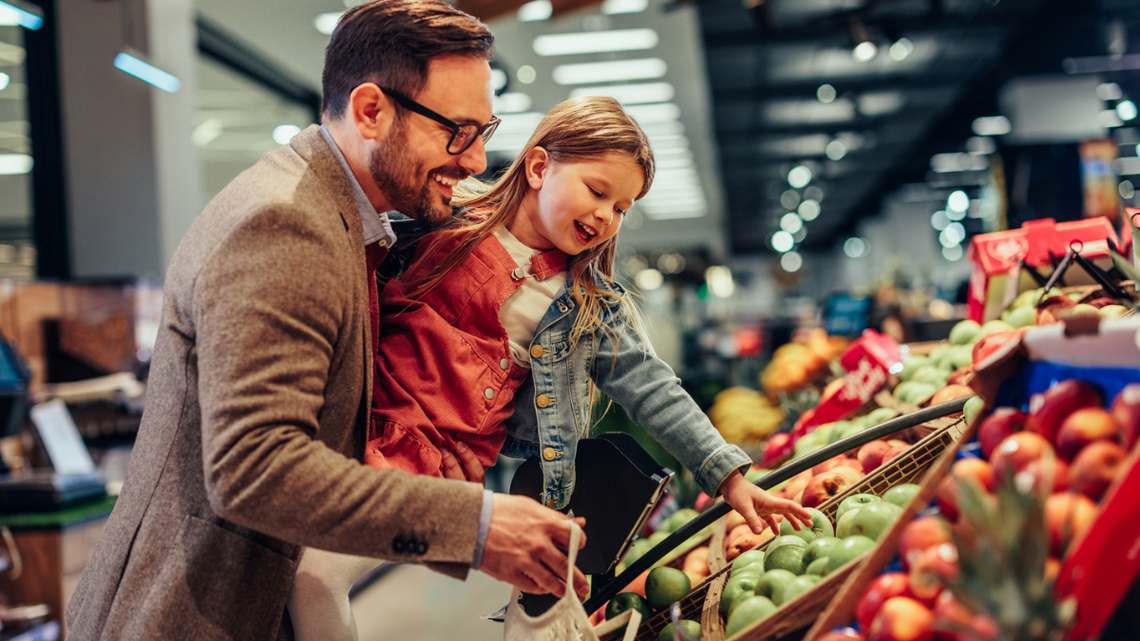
(952, 253)
(610, 71)
(782, 241)
(15, 164)
(991, 126)
(326, 22)
(855, 247)
(799, 176)
(535, 11)
(791, 262)
(611, 7)
(282, 134)
(836, 150)
(790, 199)
(4, 80)
(1126, 109)
(633, 94)
(526, 74)
(566, 44)
(825, 93)
(865, 51)
(901, 48)
(13, 16)
(809, 210)
(791, 223)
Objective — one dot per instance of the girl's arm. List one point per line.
(626, 369)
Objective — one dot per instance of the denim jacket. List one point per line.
(552, 406)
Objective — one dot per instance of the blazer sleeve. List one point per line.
(269, 305)
(625, 368)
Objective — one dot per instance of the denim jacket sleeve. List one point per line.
(626, 369)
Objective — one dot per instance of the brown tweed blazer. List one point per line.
(254, 424)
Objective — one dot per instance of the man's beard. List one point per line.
(394, 168)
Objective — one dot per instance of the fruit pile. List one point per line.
(1064, 452)
(794, 365)
(944, 373)
(761, 581)
(695, 562)
(742, 414)
(663, 586)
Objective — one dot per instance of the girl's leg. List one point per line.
(318, 602)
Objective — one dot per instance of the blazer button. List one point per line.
(550, 453)
(505, 364)
(489, 393)
(536, 351)
(543, 400)
(399, 545)
(421, 547)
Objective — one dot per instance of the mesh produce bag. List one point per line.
(566, 620)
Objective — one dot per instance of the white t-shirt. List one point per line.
(523, 309)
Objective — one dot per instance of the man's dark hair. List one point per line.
(391, 42)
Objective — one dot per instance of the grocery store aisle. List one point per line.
(413, 603)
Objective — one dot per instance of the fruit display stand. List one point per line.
(1093, 576)
(802, 611)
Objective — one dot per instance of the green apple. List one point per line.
(873, 519)
(973, 406)
(844, 527)
(748, 612)
(691, 628)
(851, 548)
(794, 588)
(965, 332)
(771, 580)
(818, 567)
(819, 548)
(912, 365)
(750, 557)
(995, 327)
(675, 520)
(1109, 312)
(961, 356)
(855, 500)
(784, 540)
(1023, 316)
(880, 414)
(737, 589)
(755, 474)
(785, 557)
(805, 533)
(820, 524)
(901, 494)
(930, 374)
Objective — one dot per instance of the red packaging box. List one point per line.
(997, 257)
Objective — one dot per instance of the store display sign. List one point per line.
(997, 258)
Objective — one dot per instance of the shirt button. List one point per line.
(549, 454)
(537, 351)
(489, 393)
(505, 364)
(543, 400)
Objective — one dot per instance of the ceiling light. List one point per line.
(800, 235)
(507, 143)
(954, 234)
(519, 123)
(880, 103)
(15, 164)
(512, 103)
(535, 11)
(1126, 109)
(855, 247)
(611, 7)
(799, 176)
(1127, 191)
(610, 71)
(649, 279)
(133, 64)
(981, 145)
(958, 201)
(665, 112)
(1127, 166)
(674, 163)
(676, 177)
(901, 48)
(791, 223)
(809, 210)
(826, 93)
(719, 279)
(791, 262)
(991, 126)
(954, 162)
(4, 80)
(814, 193)
(526, 74)
(499, 79)
(952, 253)
(790, 199)
(11, 15)
(865, 51)
(1108, 119)
(1109, 91)
(675, 213)
(939, 220)
(635, 94)
(1101, 64)
(567, 44)
(207, 132)
(326, 22)
(282, 134)
(955, 214)
(782, 241)
(835, 149)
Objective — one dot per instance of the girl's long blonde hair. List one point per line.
(578, 129)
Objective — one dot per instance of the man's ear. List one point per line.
(536, 164)
(371, 111)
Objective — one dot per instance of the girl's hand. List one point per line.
(757, 506)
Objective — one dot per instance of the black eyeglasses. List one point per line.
(462, 136)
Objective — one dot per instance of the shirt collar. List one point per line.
(377, 226)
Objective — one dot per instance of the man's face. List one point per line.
(411, 165)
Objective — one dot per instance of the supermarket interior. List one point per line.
(888, 254)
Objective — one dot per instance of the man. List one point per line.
(260, 384)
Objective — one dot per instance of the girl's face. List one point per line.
(575, 205)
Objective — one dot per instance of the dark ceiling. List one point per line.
(766, 64)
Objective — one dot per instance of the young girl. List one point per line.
(503, 326)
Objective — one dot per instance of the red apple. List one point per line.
(1126, 411)
(1095, 467)
(1082, 427)
(797, 483)
(961, 376)
(1067, 516)
(931, 570)
(955, 622)
(919, 535)
(842, 634)
(989, 345)
(883, 587)
(838, 461)
(1016, 452)
(822, 487)
(950, 392)
(995, 428)
(895, 450)
(1049, 408)
(1037, 470)
(902, 619)
(871, 455)
(975, 469)
(897, 442)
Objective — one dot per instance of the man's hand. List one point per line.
(462, 464)
(758, 506)
(525, 546)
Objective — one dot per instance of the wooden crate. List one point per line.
(801, 612)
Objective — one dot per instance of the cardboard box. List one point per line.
(996, 278)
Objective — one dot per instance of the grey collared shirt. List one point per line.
(378, 228)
